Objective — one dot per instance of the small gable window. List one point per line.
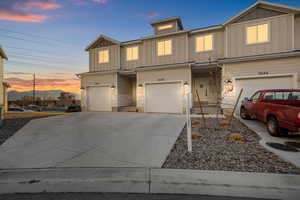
(204, 43)
(132, 53)
(258, 33)
(164, 47)
(163, 27)
(104, 56)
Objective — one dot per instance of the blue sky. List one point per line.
(63, 28)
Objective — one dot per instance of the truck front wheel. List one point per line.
(273, 126)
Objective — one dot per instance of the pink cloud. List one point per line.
(40, 5)
(150, 14)
(21, 17)
(100, 1)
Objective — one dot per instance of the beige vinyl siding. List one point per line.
(297, 32)
(218, 47)
(132, 64)
(113, 58)
(179, 48)
(280, 37)
(169, 30)
(177, 74)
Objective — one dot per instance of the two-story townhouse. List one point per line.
(258, 48)
(3, 85)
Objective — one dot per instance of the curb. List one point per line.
(149, 180)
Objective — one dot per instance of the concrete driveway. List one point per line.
(95, 139)
(260, 129)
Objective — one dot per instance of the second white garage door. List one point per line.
(99, 99)
(164, 97)
(251, 85)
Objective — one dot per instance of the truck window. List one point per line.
(282, 96)
(255, 96)
(269, 96)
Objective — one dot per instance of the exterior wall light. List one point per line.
(140, 85)
(113, 87)
(186, 87)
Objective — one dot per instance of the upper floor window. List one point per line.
(163, 27)
(104, 56)
(258, 33)
(164, 47)
(204, 43)
(132, 53)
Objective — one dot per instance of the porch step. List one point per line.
(127, 109)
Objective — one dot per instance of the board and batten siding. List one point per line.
(179, 48)
(218, 47)
(114, 61)
(160, 75)
(132, 64)
(280, 37)
(297, 32)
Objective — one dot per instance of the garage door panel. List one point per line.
(251, 85)
(164, 98)
(99, 99)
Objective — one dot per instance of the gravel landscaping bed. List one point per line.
(12, 125)
(214, 150)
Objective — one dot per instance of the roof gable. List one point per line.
(2, 53)
(102, 41)
(262, 9)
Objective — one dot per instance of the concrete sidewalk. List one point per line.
(260, 129)
(145, 180)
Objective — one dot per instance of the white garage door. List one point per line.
(99, 99)
(251, 85)
(164, 98)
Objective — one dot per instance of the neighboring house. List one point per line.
(3, 86)
(258, 48)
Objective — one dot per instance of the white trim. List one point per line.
(226, 47)
(164, 40)
(293, 75)
(260, 20)
(204, 35)
(99, 85)
(257, 24)
(162, 82)
(293, 32)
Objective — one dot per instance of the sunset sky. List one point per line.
(48, 37)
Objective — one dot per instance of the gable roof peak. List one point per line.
(268, 4)
(101, 37)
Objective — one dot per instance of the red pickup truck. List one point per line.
(278, 108)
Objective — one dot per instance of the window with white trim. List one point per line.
(132, 53)
(163, 27)
(104, 56)
(258, 33)
(204, 43)
(164, 47)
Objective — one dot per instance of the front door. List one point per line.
(202, 86)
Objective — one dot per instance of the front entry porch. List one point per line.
(207, 81)
(127, 92)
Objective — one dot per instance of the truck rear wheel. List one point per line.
(273, 126)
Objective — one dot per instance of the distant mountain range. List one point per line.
(43, 94)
